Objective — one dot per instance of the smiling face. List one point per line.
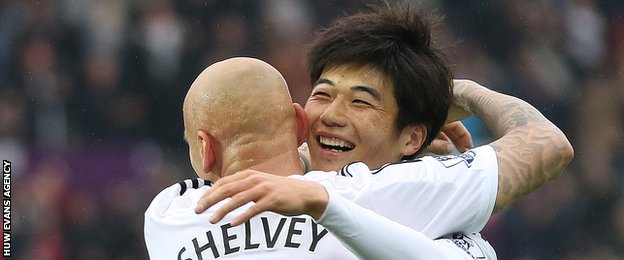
(352, 112)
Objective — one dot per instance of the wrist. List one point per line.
(318, 200)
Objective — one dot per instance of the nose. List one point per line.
(334, 114)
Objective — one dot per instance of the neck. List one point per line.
(267, 156)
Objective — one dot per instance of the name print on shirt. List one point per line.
(267, 233)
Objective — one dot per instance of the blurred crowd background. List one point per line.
(91, 94)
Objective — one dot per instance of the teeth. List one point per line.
(335, 142)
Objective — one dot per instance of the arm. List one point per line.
(365, 233)
(460, 200)
(372, 236)
(530, 149)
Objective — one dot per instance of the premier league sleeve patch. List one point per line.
(451, 160)
(466, 244)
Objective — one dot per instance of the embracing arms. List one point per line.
(365, 233)
(530, 149)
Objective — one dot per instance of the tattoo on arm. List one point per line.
(530, 149)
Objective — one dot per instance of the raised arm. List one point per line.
(530, 149)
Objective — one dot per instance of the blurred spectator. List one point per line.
(162, 40)
(40, 80)
(585, 35)
(289, 25)
(13, 128)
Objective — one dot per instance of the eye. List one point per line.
(320, 94)
(361, 102)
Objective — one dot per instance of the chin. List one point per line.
(324, 167)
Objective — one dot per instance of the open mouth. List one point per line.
(334, 144)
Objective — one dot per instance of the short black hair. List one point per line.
(397, 40)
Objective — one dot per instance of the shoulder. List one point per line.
(480, 160)
(168, 197)
(476, 157)
(195, 183)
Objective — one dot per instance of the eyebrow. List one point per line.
(371, 91)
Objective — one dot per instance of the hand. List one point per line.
(459, 109)
(452, 134)
(304, 155)
(282, 195)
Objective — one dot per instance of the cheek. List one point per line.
(378, 127)
(373, 138)
(383, 137)
(311, 113)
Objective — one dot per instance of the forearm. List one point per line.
(371, 236)
(530, 149)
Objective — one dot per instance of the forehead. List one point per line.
(359, 74)
(351, 76)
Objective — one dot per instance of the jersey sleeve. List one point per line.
(153, 227)
(439, 195)
(372, 236)
(170, 217)
(434, 195)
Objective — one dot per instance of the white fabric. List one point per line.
(171, 225)
(438, 196)
(372, 236)
(472, 245)
(435, 195)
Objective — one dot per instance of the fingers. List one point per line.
(242, 188)
(210, 198)
(269, 192)
(251, 212)
(224, 188)
(453, 135)
(440, 145)
(238, 200)
(459, 135)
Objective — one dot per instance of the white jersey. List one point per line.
(435, 195)
(174, 231)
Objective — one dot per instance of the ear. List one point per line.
(302, 123)
(413, 138)
(206, 150)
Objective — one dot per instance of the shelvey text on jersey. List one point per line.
(254, 236)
